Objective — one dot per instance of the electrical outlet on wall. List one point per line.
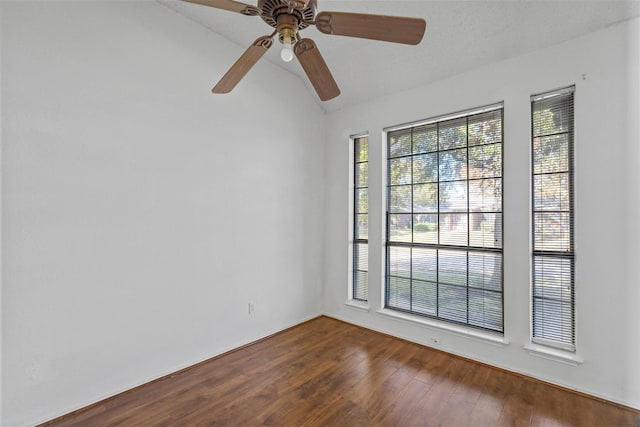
(252, 308)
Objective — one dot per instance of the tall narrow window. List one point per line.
(444, 219)
(360, 218)
(553, 248)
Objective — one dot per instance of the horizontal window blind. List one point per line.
(553, 305)
(360, 278)
(444, 219)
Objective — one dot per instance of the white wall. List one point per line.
(607, 188)
(141, 213)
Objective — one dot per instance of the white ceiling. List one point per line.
(461, 35)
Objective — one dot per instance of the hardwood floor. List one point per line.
(329, 373)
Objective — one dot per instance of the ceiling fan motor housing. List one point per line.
(273, 11)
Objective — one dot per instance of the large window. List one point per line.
(360, 281)
(444, 219)
(553, 248)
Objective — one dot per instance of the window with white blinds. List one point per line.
(360, 280)
(553, 293)
(444, 219)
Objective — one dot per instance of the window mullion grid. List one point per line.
(571, 228)
(387, 287)
(501, 213)
(358, 293)
(460, 259)
(556, 335)
(438, 218)
(466, 132)
(355, 220)
(412, 228)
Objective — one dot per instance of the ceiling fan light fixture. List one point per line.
(287, 37)
(287, 27)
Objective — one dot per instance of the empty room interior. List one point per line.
(370, 222)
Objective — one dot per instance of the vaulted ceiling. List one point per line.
(460, 36)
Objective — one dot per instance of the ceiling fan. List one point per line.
(288, 17)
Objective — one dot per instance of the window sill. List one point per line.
(357, 305)
(554, 354)
(468, 333)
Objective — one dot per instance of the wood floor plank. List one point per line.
(518, 407)
(465, 397)
(329, 373)
(404, 409)
(436, 401)
(486, 413)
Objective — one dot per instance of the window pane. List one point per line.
(553, 278)
(361, 149)
(485, 270)
(425, 198)
(452, 165)
(425, 228)
(452, 267)
(399, 293)
(452, 303)
(453, 196)
(362, 258)
(486, 230)
(399, 144)
(362, 200)
(423, 297)
(424, 264)
(362, 226)
(425, 168)
(485, 128)
(362, 174)
(453, 229)
(552, 231)
(453, 134)
(551, 192)
(400, 227)
(400, 199)
(400, 261)
(551, 154)
(361, 276)
(361, 285)
(552, 320)
(425, 139)
(485, 195)
(553, 115)
(485, 161)
(485, 309)
(400, 171)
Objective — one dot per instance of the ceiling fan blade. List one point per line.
(395, 29)
(233, 6)
(316, 69)
(243, 65)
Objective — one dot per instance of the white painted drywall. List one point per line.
(604, 68)
(141, 213)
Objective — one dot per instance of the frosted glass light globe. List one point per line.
(286, 53)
